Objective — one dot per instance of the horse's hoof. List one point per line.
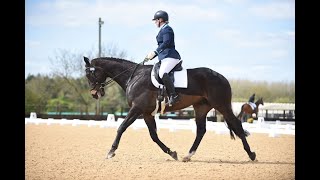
(186, 159)
(110, 155)
(252, 156)
(174, 155)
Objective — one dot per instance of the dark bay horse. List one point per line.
(246, 109)
(206, 89)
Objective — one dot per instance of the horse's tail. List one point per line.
(234, 125)
(236, 130)
(230, 129)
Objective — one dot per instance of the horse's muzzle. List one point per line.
(97, 93)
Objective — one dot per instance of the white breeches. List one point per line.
(167, 64)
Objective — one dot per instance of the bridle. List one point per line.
(91, 71)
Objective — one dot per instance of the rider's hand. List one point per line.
(151, 55)
(145, 60)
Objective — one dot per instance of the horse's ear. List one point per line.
(86, 60)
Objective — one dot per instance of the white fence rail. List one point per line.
(274, 129)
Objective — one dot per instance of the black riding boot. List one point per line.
(173, 96)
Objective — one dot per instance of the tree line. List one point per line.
(66, 89)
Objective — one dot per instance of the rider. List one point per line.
(251, 101)
(166, 53)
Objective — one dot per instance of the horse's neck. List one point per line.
(120, 72)
(258, 103)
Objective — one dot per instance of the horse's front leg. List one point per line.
(133, 114)
(201, 112)
(201, 130)
(154, 136)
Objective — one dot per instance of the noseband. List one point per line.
(90, 70)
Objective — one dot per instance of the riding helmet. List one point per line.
(161, 14)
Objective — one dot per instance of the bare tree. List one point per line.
(68, 65)
(112, 50)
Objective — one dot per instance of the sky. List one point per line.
(241, 39)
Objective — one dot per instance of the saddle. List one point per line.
(160, 101)
(156, 68)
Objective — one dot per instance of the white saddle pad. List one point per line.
(180, 79)
(253, 105)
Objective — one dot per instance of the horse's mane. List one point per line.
(119, 60)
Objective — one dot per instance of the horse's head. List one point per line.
(96, 78)
(260, 101)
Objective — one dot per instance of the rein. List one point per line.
(135, 68)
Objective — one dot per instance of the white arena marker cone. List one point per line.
(111, 118)
(260, 119)
(261, 122)
(33, 115)
(111, 121)
(33, 118)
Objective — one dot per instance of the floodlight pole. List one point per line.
(100, 23)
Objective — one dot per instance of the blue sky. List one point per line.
(241, 39)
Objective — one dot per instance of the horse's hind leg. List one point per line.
(154, 136)
(236, 126)
(201, 111)
(133, 114)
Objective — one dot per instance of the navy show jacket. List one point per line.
(166, 46)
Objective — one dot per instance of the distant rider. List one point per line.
(251, 101)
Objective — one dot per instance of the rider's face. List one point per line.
(158, 22)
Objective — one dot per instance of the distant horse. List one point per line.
(206, 89)
(246, 109)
